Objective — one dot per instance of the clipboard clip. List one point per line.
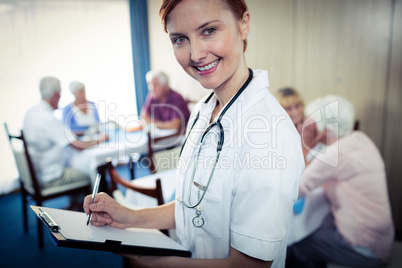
(50, 223)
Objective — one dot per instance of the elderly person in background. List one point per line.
(293, 104)
(47, 139)
(359, 231)
(80, 114)
(164, 107)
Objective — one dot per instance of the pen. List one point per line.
(94, 192)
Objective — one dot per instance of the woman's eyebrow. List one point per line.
(175, 34)
(206, 24)
(198, 28)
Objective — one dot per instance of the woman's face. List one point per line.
(208, 41)
(294, 107)
(80, 95)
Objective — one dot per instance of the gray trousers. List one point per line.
(327, 245)
(70, 175)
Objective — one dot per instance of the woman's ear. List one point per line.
(245, 25)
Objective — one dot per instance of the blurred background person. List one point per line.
(293, 104)
(48, 139)
(81, 114)
(359, 231)
(164, 107)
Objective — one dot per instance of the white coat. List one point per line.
(248, 205)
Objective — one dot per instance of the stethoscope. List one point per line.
(198, 220)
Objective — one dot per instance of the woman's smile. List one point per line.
(208, 44)
(209, 68)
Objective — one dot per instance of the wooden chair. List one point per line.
(163, 153)
(116, 179)
(30, 187)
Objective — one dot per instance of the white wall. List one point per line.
(72, 40)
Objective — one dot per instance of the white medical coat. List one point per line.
(248, 205)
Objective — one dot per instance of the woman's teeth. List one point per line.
(209, 66)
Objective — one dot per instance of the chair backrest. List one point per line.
(24, 164)
(166, 159)
(163, 152)
(116, 179)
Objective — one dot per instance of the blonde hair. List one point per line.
(283, 95)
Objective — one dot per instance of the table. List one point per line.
(168, 181)
(120, 144)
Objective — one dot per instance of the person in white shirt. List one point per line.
(47, 138)
(240, 167)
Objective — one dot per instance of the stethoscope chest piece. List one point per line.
(198, 220)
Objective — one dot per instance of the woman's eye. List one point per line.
(209, 31)
(178, 40)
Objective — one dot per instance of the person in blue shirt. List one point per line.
(80, 114)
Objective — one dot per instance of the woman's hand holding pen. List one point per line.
(106, 211)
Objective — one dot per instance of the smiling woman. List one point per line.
(226, 215)
(71, 40)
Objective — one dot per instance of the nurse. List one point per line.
(241, 164)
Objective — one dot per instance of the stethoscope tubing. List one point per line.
(219, 147)
(218, 122)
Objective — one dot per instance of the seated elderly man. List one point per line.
(359, 231)
(164, 107)
(47, 138)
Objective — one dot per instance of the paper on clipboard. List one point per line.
(72, 226)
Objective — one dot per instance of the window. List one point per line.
(86, 40)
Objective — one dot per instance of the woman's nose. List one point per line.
(197, 51)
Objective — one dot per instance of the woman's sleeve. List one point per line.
(264, 194)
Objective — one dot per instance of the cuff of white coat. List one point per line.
(266, 250)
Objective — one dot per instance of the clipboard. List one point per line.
(68, 229)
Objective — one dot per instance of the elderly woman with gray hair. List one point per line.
(80, 114)
(359, 230)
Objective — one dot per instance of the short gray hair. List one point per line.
(333, 113)
(76, 85)
(162, 77)
(48, 85)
